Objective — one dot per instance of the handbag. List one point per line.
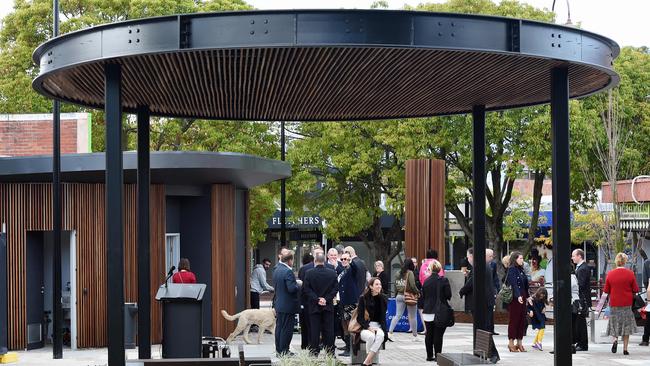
(637, 302)
(444, 314)
(410, 298)
(505, 293)
(354, 326)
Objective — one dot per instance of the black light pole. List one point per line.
(283, 195)
(57, 325)
(561, 215)
(144, 286)
(114, 214)
(478, 217)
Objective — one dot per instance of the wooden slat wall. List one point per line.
(223, 258)
(157, 210)
(25, 207)
(425, 207)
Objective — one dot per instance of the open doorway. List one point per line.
(172, 250)
(40, 287)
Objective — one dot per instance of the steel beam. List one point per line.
(478, 217)
(561, 215)
(144, 264)
(114, 214)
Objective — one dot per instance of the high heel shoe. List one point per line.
(521, 348)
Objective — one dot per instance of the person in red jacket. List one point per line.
(184, 275)
(621, 286)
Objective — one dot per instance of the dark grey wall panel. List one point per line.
(196, 246)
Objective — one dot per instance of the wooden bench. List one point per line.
(485, 352)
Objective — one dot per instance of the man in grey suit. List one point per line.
(285, 302)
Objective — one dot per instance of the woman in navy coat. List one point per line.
(517, 308)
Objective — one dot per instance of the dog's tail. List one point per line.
(228, 316)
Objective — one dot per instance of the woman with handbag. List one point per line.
(406, 296)
(373, 304)
(436, 291)
(517, 323)
(622, 288)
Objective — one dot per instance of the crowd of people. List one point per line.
(337, 296)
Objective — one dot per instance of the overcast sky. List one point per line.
(625, 21)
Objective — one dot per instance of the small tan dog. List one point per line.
(263, 318)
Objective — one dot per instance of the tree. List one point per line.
(30, 24)
(343, 171)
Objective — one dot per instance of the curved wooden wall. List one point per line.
(425, 207)
(28, 206)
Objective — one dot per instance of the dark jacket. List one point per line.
(430, 289)
(376, 307)
(495, 276)
(385, 284)
(348, 290)
(646, 273)
(320, 282)
(583, 275)
(286, 290)
(519, 282)
(538, 319)
(360, 273)
(302, 272)
(468, 289)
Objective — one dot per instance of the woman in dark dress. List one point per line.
(371, 315)
(517, 308)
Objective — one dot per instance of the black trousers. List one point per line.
(321, 323)
(646, 329)
(255, 300)
(433, 339)
(489, 318)
(304, 329)
(580, 330)
(284, 331)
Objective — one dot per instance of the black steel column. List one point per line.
(114, 214)
(57, 316)
(478, 217)
(561, 215)
(283, 195)
(144, 286)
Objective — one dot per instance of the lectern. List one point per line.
(182, 319)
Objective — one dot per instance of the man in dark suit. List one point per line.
(361, 276)
(490, 292)
(584, 293)
(285, 302)
(320, 287)
(304, 311)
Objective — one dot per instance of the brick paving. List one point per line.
(404, 351)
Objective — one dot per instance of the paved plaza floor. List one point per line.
(403, 351)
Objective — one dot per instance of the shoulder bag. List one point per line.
(410, 298)
(444, 314)
(506, 292)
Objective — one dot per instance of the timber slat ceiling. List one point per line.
(26, 207)
(425, 207)
(322, 83)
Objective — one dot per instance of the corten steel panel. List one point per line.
(223, 258)
(425, 207)
(324, 65)
(25, 207)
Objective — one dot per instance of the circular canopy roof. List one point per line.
(323, 64)
(167, 167)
